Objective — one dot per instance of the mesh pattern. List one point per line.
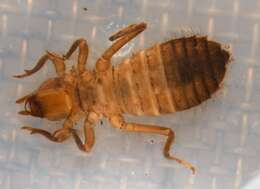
(221, 137)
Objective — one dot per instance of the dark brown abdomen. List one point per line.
(173, 76)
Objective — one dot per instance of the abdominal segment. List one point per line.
(168, 77)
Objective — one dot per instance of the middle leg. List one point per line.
(89, 134)
(83, 53)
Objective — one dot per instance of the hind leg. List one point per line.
(118, 122)
(123, 36)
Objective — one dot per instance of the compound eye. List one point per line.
(36, 108)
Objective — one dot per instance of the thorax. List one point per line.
(97, 93)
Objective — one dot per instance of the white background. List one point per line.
(221, 137)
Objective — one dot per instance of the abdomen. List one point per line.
(172, 76)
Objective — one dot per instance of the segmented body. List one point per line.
(168, 77)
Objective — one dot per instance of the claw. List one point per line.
(26, 128)
(27, 73)
(24, 112)
(32, 130)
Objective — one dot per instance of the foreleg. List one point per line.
(56, 60)
(59, 135)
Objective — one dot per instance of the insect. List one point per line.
(168, 77)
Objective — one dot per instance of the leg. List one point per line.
(89, 134)
(48, 135)
(83, 53)
(123, 36)
(118, 122)
(59, 135)
(57, 61)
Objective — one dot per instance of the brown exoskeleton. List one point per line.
(168, 77)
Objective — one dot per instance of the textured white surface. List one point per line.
(221, 137)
